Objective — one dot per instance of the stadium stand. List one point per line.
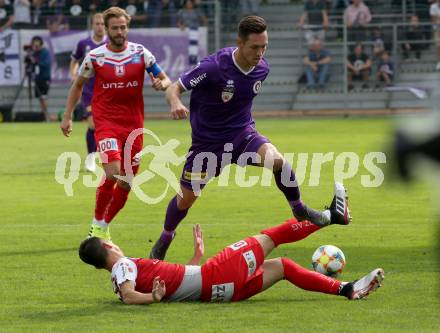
(282, 92)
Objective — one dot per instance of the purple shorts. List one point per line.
(205, 161)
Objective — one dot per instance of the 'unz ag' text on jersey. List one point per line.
(119, 78)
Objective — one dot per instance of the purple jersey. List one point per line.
(82, 49)
(222, 95)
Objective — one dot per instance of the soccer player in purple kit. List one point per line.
(223, 87)
(82, 49)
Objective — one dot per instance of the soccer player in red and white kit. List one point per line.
(238, 272)
(118, 108)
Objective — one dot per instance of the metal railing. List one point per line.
(394, 38)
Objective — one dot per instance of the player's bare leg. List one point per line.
(286, 182)
(177, 209)
(91, 144)
(277, 269)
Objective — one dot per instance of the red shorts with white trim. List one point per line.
(115, 145)
(234, 274)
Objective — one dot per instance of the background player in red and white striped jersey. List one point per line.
(238, 272)
(118, 109)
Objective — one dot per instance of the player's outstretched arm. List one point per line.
(199, 247)
(72, 99)
(73, 69)
(161, 82)
(130, 296)
(172, 95)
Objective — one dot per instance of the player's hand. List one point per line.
(199, 247)
(179, 111)
(159, 289)
(156, 83)
(66, 126)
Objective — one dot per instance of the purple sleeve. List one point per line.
(78, 52)
(198, 76)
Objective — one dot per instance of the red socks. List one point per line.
(290, 231)
(109, 200)
(104, 193)
(118, 201)
(309, 280)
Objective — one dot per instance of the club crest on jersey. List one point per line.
(257, 86)
(228, 91)
(119, 70)
(136, 59)
(100, 59)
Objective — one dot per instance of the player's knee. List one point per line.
(278, 163)
(124, 185)
(185, 201)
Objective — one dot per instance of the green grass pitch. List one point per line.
(45, 287)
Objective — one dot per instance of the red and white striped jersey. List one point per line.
(119, 78)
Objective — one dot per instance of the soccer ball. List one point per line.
(328, 260)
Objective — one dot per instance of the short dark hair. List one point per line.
(37, 38)
(93, 252)
(251, 25)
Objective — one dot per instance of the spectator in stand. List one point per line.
(359, 67)
(385, 69)
(314, 20)
(56, 21)
(36, 12)
(190, 17)
(6, 16)
(229, 12)
(96, 6)
(249, 7)
(77, 12)
(162, 13)
(135, 9)
(22, 14)
(377, 38)
(356, 17)
(317, 63)
(414, 34)
(434, 11)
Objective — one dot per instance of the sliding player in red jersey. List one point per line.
(237, 273)
(119, 68)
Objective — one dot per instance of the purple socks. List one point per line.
(172, 219)
(90, 138)
(289, 187)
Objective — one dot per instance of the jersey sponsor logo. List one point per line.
(194, 82)
(120, 70)
(100, 59)
(251, 261)
(136, 59)
(257, 86)
(120, 85)
(108, 145)
(222, 292)
(228, 91)
(238, 245)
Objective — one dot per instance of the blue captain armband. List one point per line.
(155, 69)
